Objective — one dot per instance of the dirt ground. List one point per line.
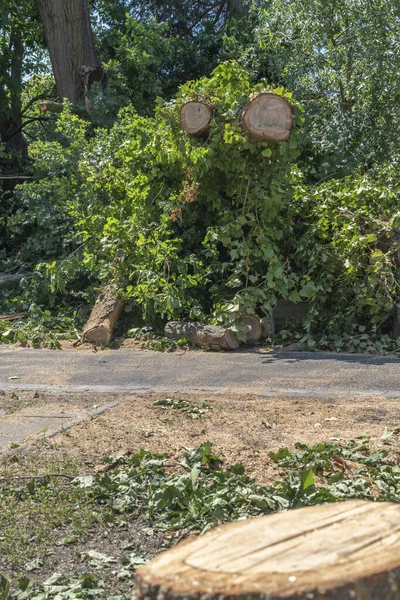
(243, 428)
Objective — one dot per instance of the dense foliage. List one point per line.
(213, 228)
(340, 58)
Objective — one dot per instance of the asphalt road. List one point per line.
(134, 370)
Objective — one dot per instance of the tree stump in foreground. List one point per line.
(209, 337)
(343, 551)
(195, 117)
(99, 327)
(268, 117)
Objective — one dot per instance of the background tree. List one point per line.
(71, 44)
(341, 58)
(150, 48)
(20, 53)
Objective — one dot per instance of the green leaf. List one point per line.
(281, 454)
(307, 479)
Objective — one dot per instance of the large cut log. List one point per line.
(195, 117)
(209, 337)
(100, 326)
(267, 117)
(8, 281)
(341, 551)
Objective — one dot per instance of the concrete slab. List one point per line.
(28, 425)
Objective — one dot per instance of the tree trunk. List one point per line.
(70, 40)
(209, 337)
(267, 117)
(341, 551)
(195, 117)
(11, 127)
(99, 327)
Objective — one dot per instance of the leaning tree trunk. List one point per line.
(341, 551)
(99, 328)
(70, 40)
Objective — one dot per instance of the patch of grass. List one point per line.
(36, 512)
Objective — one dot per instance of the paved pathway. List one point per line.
(134, 370)
(119, 371)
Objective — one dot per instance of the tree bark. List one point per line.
(99, 328)
(76, 63)
(341, 551)
(267, 117)
(11, 127)
(209, 337)
(195, 117)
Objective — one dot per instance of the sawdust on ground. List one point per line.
(242, 427)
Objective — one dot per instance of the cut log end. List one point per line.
(268, 117)
(254, 329)
(195, 117)
(99, 328)
(333, 551)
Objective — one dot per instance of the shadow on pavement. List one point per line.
(360, 359)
